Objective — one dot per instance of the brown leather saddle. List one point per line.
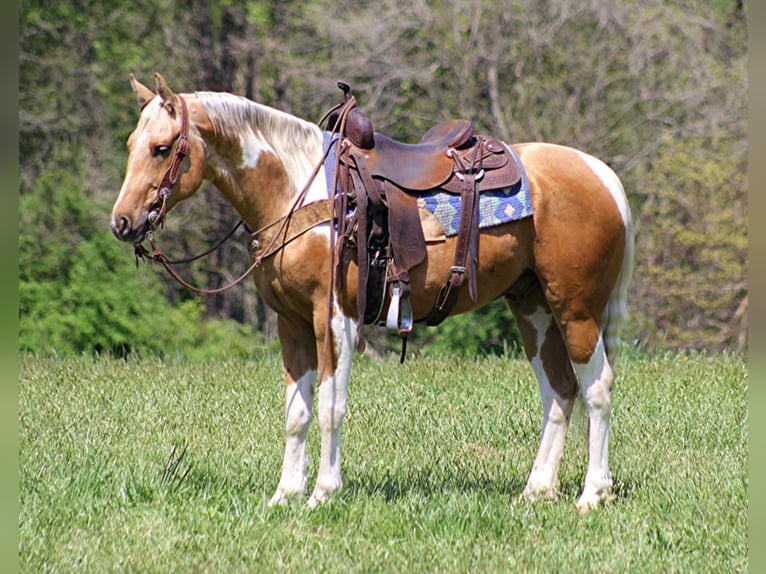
(376, 207)
(431, 163)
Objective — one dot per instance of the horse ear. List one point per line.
(170, 100)
(143, 93)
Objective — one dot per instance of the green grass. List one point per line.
(144, 466)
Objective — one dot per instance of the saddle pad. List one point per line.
(495, 207)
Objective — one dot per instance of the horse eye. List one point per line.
(161, 151)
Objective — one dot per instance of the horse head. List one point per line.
(165, 162)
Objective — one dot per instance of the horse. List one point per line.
(564, 270)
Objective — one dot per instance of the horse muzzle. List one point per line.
(125, 230)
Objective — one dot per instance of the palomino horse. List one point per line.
(564, 271)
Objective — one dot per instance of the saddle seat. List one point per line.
(422, 166)
(434, 162)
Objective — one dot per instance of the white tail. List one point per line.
(616, 311)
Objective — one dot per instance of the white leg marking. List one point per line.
(596, 378)
(332, 405)
(298, 417)
(542, 481)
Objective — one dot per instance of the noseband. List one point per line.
(168, 181)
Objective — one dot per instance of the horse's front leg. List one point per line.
(298, 355)
(335, 363)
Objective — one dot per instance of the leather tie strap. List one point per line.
(362, 254)
(467, 247)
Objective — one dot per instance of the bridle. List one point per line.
(170, 178)
(159, 210)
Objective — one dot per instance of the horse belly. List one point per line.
(505, 251)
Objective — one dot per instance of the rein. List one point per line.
(170, 178)
(207, 252)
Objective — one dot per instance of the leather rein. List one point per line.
(170, 178)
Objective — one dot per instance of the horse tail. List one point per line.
(616, 311)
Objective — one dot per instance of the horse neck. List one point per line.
(260, 159)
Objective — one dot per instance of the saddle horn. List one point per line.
(358, 125)
(346, 89)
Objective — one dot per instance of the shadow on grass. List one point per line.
(183, 477)
(429, 482)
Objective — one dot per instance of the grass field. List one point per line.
(145, 466)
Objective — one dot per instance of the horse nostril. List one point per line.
(121, 228)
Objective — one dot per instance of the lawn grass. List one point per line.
(148, 466)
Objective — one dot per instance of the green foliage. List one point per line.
(490, 330)
(92, 307)
(695, 251)
(192, 337)
(79, 291)
(435, 456)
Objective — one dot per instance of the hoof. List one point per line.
(283, 496)
(538, 491)
(313, 501)
(593, 498)
(323, 493)
(596, 492)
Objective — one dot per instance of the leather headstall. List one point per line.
(170, 178)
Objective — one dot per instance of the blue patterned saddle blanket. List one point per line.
(495, 207)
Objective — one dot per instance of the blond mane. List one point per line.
(296, 142)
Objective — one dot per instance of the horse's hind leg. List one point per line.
(548, 357)
(596, 379)
(585, 343)
(558, 378)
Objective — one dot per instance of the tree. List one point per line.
(658, 90)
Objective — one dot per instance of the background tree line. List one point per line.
(656, 89)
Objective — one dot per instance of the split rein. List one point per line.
(169, 180)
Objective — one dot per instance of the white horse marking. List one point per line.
(542, 481)
(612, 183)
(297, 418)
(596, 378)
(142, 142)
(252, 146)
(332, 404)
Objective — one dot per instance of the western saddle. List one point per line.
(378, 180)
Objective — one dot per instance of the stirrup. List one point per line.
(399, 318)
